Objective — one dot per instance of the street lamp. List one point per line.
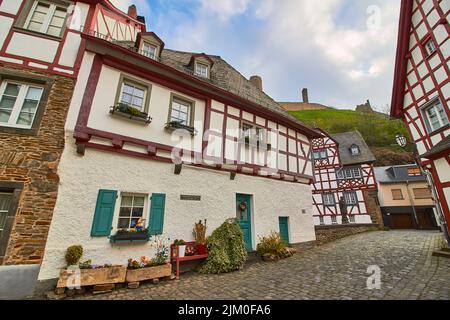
(401, 140)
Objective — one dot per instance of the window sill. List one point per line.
(38, 34)
(172, 127)
(130, 238)
(439, 130)
(143, 119)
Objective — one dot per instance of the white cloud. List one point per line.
(224, 9)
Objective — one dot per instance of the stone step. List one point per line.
(442, 254)
(447, 249)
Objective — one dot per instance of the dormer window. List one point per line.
(201, 70)
(355, 151)
(149, 50)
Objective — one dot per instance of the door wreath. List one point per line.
(243, 206)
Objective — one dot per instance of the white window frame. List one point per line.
(322, 154)
(5, 212)
(434, 104)
(134, 85)
(48, 18)
(255, 133)
(334, 219)
(202, 74)
(18, 105)
(145, 214)
(355, 150)
(148, 53)
(351, 198)
(350, 173)
(326, 197)
(185, 104)
(430, 47)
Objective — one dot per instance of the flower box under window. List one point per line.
(131, 113)
(176, 125)
(130, 236)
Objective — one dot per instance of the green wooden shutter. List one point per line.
(156, 223)
(104, 212)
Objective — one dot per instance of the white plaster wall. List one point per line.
(82, 177)
(443, 169)
(33, 47)
(69, 51)
(10, 6)
(5, 26)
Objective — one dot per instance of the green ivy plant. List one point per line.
(226, 249)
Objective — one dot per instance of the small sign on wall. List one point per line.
(185, 197)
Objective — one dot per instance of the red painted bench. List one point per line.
(174, 257)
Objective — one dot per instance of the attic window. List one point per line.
(354, 149)
(201, 70)
(149, 50)
(414, 172)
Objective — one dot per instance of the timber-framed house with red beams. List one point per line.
(421, 92)
(166, 138)
(343, 168)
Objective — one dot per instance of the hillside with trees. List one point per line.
(378, 130)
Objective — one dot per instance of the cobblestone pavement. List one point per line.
(335, 270)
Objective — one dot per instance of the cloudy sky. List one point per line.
(341, 50)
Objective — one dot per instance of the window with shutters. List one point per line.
(132, 208)
(47, 17)
(397, 194)
(422, 193)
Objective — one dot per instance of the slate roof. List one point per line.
(228, 78)
(346, 140)
(441, 146)
(393, 174)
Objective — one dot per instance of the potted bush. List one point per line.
(155, 268)
(273, 248)
(181, 247)
(178, 125)
(200, 236)
(86, 274)
(130, 112)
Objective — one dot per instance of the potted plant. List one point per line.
(178, 125)
(131, 235)
(181, 247)
(130, 112)
(86, 274)
(155, 268)
(200, 236)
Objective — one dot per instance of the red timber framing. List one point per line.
(95, 6)
(183, 83)
(416, 71)
(411, 82)
(328, 183)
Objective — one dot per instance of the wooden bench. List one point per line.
(174, 255)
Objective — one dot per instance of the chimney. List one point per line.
(257, 82)
(132, 11)
(305, 95)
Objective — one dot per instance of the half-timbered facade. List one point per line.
(421, 93)
(172, 137)
(343, 168)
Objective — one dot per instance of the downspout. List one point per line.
(411, 202)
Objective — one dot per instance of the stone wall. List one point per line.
(326, 234)
(32, 158)
(373, 207)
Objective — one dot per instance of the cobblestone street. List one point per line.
(336, 270)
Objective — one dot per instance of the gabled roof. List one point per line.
(346, 140)
(401, 59)
(226, 77)
(200, 55)
(394, 174)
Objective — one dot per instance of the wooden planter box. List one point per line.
(139, 275)
(92, 277)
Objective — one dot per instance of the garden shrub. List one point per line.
(73, 255)
(272, 244)
(226, 249)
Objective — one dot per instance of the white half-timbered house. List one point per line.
(343, 168)
(421, 92)
(172, 138)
